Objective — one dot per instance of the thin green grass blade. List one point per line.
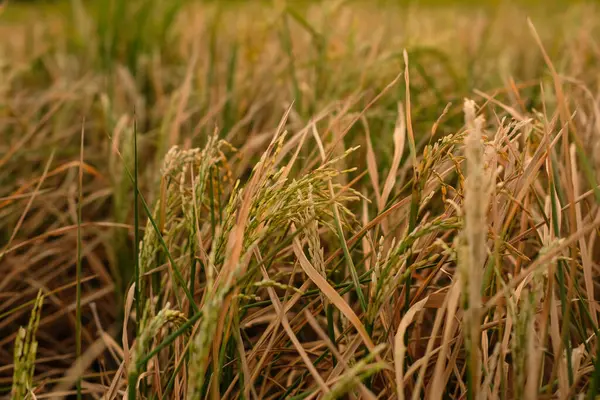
(178, 277)
(349, 262)
(561, 280)
(136, 228)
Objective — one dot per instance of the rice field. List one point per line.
(299, 200)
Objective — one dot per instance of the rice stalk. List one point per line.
(473, 250)
(25, 353)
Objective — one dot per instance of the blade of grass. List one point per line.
(340, 231)
(333, 296)
(78, 267)
(179, 278)
(416, 189)
(400, 347)
(136, 229)
(399, 139)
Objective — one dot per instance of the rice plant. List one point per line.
(283, 200)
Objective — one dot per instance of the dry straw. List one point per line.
(473, 248)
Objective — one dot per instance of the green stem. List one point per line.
(330, 330)
(136, 228)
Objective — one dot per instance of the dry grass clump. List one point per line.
(257, 216)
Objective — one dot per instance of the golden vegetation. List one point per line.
(334, 200)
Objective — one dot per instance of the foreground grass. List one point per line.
(263, 201)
